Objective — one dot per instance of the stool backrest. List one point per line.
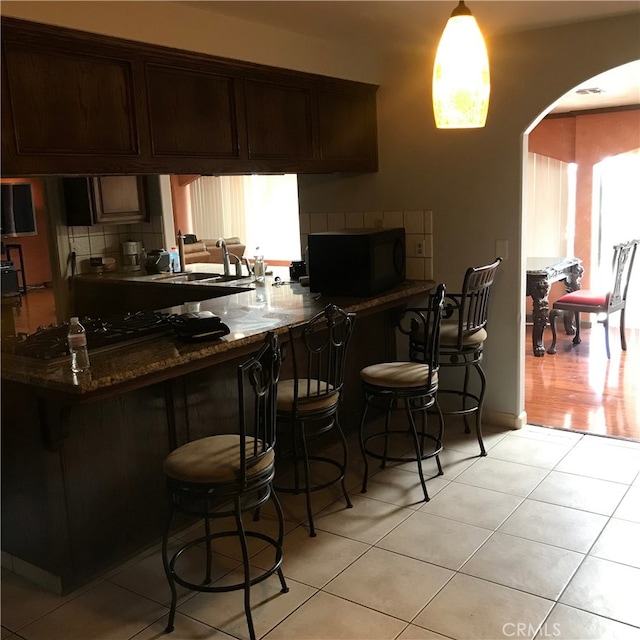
(470, 308)
(623, 257)
(422, 325)
(319, 354)
(257, 397)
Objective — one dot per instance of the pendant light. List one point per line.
(461, 74)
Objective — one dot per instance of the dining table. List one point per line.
(541, 274)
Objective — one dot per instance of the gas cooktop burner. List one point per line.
(50, 342)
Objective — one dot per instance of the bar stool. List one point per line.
(462, 337)
(227, 475)
(308, 403)
(410, 385)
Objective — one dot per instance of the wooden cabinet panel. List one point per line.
(191, 113)
(76, 103)
(278, 121)
(119, 199)
(347, 128)
(98, 298)
(71, 104)
(105, 200)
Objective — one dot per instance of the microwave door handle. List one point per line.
(398, 256)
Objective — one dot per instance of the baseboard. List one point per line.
(499, 419)
(39, 576)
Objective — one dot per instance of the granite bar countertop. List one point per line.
(211, 270)
(249, 315)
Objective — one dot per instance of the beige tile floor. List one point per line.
(540, 539)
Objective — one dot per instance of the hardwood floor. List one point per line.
(37, 309)
(578, 388)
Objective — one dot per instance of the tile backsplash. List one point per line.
(418, 226)
(105, 240)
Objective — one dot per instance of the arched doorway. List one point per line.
(578, 388)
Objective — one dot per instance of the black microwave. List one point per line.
(356, 262)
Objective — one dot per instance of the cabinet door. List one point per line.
(191, 112)
(105, 200)
(75, 103)
(78, 202)
(119, 199)
(347, 130)
(65, 105)
(278, 121)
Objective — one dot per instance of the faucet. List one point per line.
(238, 264)
(225, 256)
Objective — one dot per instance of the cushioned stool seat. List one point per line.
(401, 375)
(214, 459)
(449, 336)
(308, 398)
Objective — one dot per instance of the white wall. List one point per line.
(198, 30)
(471, 180)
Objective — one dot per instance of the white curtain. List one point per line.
(218, 206)
(261, 210)
(273, 222)
(550, 207)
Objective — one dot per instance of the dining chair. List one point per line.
(410, 386)
(308, 403)
(603, 303)
(224, 476)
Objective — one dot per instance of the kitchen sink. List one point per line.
(195, 276)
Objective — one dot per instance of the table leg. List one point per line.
(539, 292)
(571, 283)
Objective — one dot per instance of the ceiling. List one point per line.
(383, 24)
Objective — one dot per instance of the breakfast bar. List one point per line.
(82, 481)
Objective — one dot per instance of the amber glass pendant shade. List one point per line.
(461, 80)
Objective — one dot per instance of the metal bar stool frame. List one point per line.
(462, 337)
(308, 403)
(247, 491)
(384, 388)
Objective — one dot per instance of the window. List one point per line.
(551, 199)
(260, 210)
(616, 202)
(18, 214)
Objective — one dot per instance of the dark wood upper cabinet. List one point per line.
(105, 200)
(191, 112)
(347, 129)
(279, 121)
(70, 104)
(78, 103)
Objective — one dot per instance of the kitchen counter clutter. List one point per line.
(265, 307)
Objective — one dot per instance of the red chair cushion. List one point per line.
(585, 297)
